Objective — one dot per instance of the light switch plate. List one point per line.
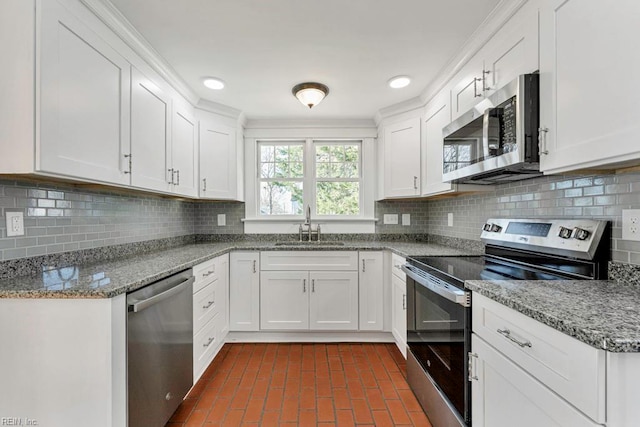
(450, 219)
(390, 218)
(406, 219)
(222, 220)
(15, 224)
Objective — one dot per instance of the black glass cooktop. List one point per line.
(458, 269)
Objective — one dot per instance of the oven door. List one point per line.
(439, 336)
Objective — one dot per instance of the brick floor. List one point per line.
(302, 385)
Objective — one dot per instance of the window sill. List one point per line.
(291, 226)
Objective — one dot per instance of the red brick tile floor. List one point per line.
(302, 385)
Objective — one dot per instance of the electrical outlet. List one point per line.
(406, 219)
(390, 218)
(222, 220)
(631, 224)
(450, 219)
(15, 224)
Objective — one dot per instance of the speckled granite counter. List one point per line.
(111, 278)
(604, 314)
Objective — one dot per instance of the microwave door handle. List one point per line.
(485, 134)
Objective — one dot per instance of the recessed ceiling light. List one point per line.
(398, 82)
(213, 83)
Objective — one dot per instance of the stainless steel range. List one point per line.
(439, 308)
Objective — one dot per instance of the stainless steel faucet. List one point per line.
(307, 224)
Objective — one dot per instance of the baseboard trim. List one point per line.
(308, 337)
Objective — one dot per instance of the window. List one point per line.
(337, 178)
(281, 176)
(325, 175)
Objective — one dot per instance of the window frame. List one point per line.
(259, 178)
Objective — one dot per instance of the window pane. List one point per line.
(351, 170)
(337, 161)
(296, 153)
(281, 198)
(267, 170)
(338, 198)
(266, 153)
(323, 170)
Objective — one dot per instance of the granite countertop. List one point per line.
(601, 313)
(111, 278)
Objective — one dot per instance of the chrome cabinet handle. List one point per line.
(415, 182)
(542, 140)
(254, 265)
(204, 184)
(484, 80)
(208, 273)
(178, 175)
(304, 285)
(404, 301)
(475, 88)
(507, 334)
(208, 305)
(128, 156)
(313, 285)
(470, 367)
(209, 342)
(363, 266)
(171, 172)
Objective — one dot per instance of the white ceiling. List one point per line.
(262, 48)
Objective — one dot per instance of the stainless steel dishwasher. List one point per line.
(159, 349)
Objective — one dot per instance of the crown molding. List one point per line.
(118, 23)
(310, 124)
(399, 108)
(220, 109)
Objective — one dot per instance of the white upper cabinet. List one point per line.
(437, 116)
(402, 159)
(220, 160)
(184, 149)
(84, 101)
(150, 134)
(512, 51)
(588, 68)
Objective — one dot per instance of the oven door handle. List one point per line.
(454, 295)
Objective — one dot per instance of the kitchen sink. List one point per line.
(307, 243)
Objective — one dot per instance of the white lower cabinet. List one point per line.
(504, 395)
(399, 303)
(210, 308)
(244, 291)
(371, 290)
(317, 300)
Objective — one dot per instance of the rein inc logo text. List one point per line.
(17, 421)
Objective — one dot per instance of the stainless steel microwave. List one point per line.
(497, 141)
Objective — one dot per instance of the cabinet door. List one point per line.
(588, 67)
(150, 144)
(399, 313)
(437, 117)
(84, 101)
(244, 291)
(466, 87)
(501, 392)
(402, 159)
(222, 268)
(333, 303)
(513, 50)
(371, 289)
(184, 160)
(284, 300)
(218, 163)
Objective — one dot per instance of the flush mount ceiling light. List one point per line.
(213, 83)
(310, 93)
(398, 82)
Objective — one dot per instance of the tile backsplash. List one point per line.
(63, 217)
(585, 196)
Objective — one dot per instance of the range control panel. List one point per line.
(569, 237)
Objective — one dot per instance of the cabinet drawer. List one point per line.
(205, 305)
(205, 344)
(396, 262)
(572, 369)
(309, 260)
(204, 273)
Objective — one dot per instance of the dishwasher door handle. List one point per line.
(138, 306)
